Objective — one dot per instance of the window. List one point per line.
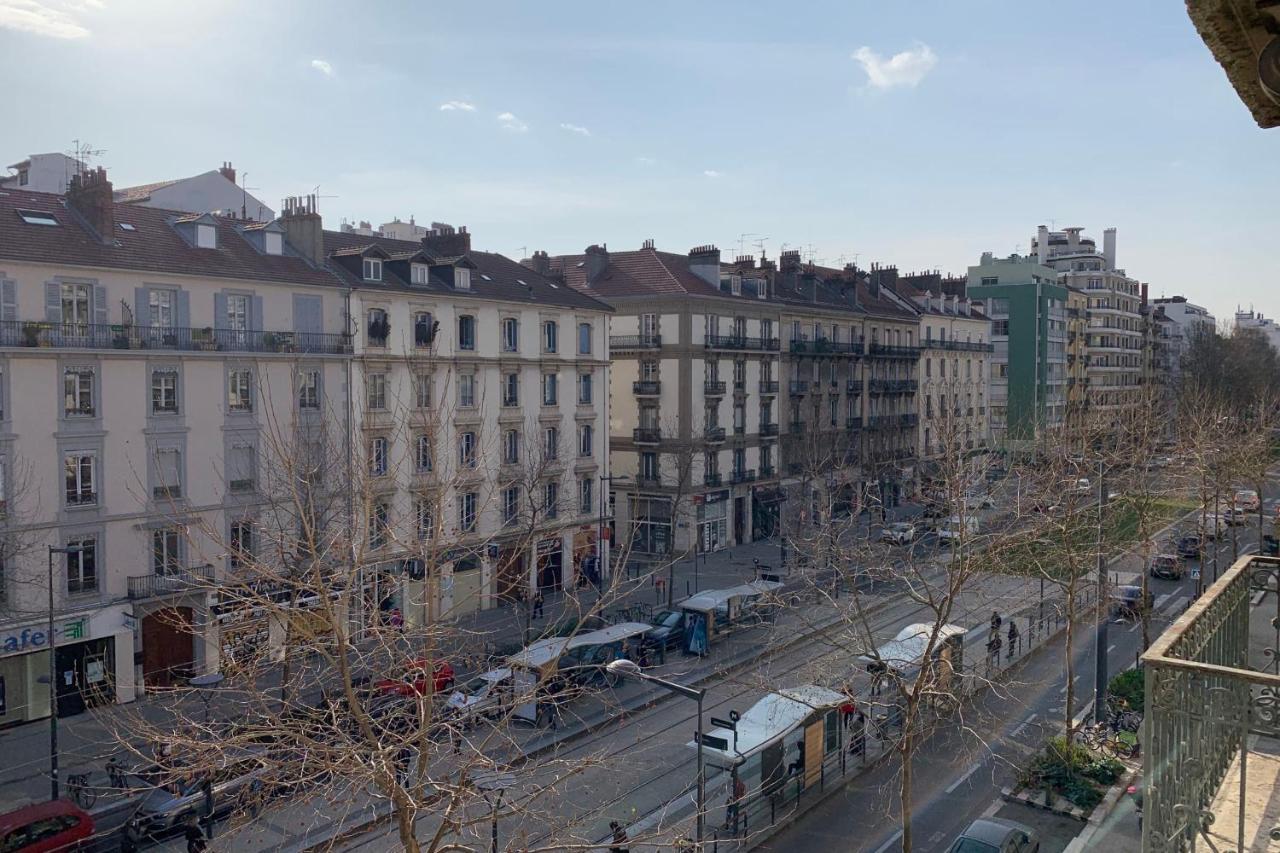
(77, 386)
(550, 393)
(466, 391)
(164, 391)
(166, 558)
(168, 483)
(422, 390)
(424, 329)
(378, 448)
(584, 389)
(375, 391)
(81, 486)
(511, 389)
(510, 334)
(551, 443)
(240, 545)
(379, 327)
(419, 274)
(242, 467)
(648, 465)
(550, 336)
(510, 504)
(1000, 327)
(586, 495)
(551, 499)
(424, 459)
(379, 524)
(372, 269)
(309, 389)
(466, 332)
(35, 217)
(239, 390)
(467, 511)
(462, 278)
(586, 440)
(511, 447)
(584, 339)
(766, 330)
(649, 371)
(82, 565)
(425, 512)
(206, 237)
(160, 308)
(467, 449)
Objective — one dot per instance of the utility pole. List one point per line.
(1104, 615)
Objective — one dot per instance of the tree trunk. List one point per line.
(1070, 665)
(904, 787)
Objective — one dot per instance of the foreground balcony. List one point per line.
(174, 582)
(25, 333)
(646, 388)
(646, 435)
(623, 343)
(742, 342)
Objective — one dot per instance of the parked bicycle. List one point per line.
(1119, 743)
(80, 791)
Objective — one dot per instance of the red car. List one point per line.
(44, 827)
(415, 679)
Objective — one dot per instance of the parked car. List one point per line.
(975, 502)
(1189, 546)
(667, 630)
(1081, 486)
(1247, 500)
(1166, 566)
(1235, 517)
(996, 835)
(414, 681)
(169, 802)
(899, 533)
(486, 695)
(955, 527)
(44, 827)
(1127, 601)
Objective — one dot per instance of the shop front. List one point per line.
(765, 511)
(651, 525)
(550, 564)
(713, 521)
(585, 555)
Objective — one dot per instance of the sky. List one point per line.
(917, 134)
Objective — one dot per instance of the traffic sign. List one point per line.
(713, 742)
(724, 724)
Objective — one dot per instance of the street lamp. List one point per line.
(623, 667)
(206, 684)
(53, 679)
(495, 783)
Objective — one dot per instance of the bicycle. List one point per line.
(1103, 738)
(79, 790)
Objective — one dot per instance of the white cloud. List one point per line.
(907, 68)
(42, 18)
(511, 123)
(323, 67)
(712, 173)
(646, 161)
(575, 128)
(463, 106)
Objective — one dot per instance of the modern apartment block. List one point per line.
(1077, 357)
(1028, 312)
(1115, 327)
(1195, 320)
(1265, 326)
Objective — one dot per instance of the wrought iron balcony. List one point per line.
(796, 427)
(741, 342)
(823, 346)
(739, 386)
(646, 388)
(173, 582)
(646, 482)
(646, 435)
(713, 434)
(853, 423)
(853, 386)
(910, 420)
(743, 476)
(26, 333)
(712, 478)
(767, 471)
(768, 387)
(713, 389)
(799, 386)
(892, 386)
(767, 430)
(961, 346)
(621, 343)
(890, 351)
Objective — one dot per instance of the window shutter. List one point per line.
(307, 313)
(220, 311)
(8, 300)
(141, 307)
(52, 302)
(99, 305)
(183, 309)
(255, 313)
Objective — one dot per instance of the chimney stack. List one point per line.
(89, 195)
(444, 241)
(1109, 247)
(789, 261)
(539, 263)
(228, 171)
(1042, 245)
(597, 261)
(704, 262)
(303, 228)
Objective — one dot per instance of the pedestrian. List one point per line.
(996, 621)
(404, 760)
(555, 687)
(537, 605)
(1014, 637)
(130, 838)
(877, 682)
(847, 708)
(858, 740)
(619, 836)
(993, 650)
(194, 836)
(397, 618)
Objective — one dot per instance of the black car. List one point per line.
(1189, 546)
(1126, 601)
(667, 630)
(1166, 566)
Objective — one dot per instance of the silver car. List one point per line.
(994, 835)
(169, 801)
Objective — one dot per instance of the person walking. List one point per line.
(996, 621)
(194, 837)
(1014, 638)
(847, 708)
(619, 838)
(537, 605)
(858, 739)
(130, 838)
(993, 649)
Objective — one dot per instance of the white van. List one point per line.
(953, 527)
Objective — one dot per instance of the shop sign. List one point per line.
(31, 639)
(716, 497)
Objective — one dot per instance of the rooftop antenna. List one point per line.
(759, 245)
(1053, 224)
(244, 196)
(82, 153)
(742, 242)
(811, 252)
(524, 251)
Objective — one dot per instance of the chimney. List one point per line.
(228, 171)
(597, 261)
(1073, 237)
(1144, 294)
(704, 262)
(446, 242)
(789, 261)
(89, 195)
(649, 244)
(539, 263)
(1109, 247)
(1042, 245)
(303, 229)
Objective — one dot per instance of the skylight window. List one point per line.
(521, 282)
(485, 277)
(36, 217)
(127, 226)
(581, 264)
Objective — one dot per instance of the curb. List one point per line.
(1033, 800)
(1101, 812)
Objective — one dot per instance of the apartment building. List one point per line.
(1115, 328)
(1077, 357)
(1027, 308)
(142, 352)
(1265, 326)
(955, 341)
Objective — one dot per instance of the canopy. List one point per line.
(770, 719)
(712, 598)
(543, 652)
(909, 646)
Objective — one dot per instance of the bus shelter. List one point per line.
(716, 611)
(581, 657)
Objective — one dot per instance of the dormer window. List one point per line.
(274, 243)
(418, 273)
(206, 237)
(373, 269)
(462, 278)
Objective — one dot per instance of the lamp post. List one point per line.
(53, 679)
(493, 784)
(1104, 615)
(206, 684)
(623, 667)
(606, 485)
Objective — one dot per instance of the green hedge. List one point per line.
(1127, 690)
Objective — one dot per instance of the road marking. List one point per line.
(936, 837)
(893, 839)
(1161, 600)
(995, 806)
(1111, 648)
(966, 775)
(1248, 549)
(1021, 727)
(1136, 626)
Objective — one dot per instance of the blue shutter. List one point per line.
(141, 307)
(99, 305)
(8, 301)
(307, 313)
(255, 313)
(52, 302)
(220, 311)
(183, 318)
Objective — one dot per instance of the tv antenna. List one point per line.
(742, 241)
(759, 246)
(315, 193)
(82, 152)
(524, 251)
(811, 252)
(244, 196)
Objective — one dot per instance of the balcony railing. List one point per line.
(644, 481)
(742, 342)
(739, 386)
(823, 346)
(646, 435)
(853, 386)
(767, 471)
(892, 386)
(796, 427)
(26, 333)
(853, 423)
(627, 342)
(961, 346)
(171, 583)
(767, 430)
(712, 478)
(910, 420)
(713, 434)
(799, 386)
(748, 476)
(646, 388)
(768, 387)
(890, 351)
(713, 389)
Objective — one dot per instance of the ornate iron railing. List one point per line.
(29, 333)
(1204, 701)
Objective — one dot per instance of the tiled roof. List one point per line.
(142, 192)
(153, 246)
(643, 272)
(494, 276)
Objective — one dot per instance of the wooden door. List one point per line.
(167, 646)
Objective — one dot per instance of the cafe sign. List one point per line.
(34, 639)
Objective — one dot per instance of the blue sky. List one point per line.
(919, 134)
